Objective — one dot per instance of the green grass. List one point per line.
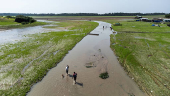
(145, 56)
(153, 16)
(37, 51)
(138, 27)
(147, 16)
(10, 24)
(75, 16)
(5, 21)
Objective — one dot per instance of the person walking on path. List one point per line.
(67, 67)
(75, 77)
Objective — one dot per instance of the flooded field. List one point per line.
(15, 35)
(94, 51)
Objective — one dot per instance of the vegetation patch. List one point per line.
(104, 75)
(89, 65)
(143, 51)
(145, 57)
(24, 19)
(167, 15)
(9, 23)
(138, 26)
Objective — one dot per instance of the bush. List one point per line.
(167, 16)
(24, 19)
(168, 24)
(104, 75)
(23, 23)
(9, 17)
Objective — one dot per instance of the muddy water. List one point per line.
(92, 50)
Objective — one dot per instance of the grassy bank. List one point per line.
(145, 56)
(25, 63)
(139, 26)
(10, 23)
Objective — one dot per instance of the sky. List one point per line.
(84, 6)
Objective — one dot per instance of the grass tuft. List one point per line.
(104, 75)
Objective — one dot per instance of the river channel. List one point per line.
(95, 50)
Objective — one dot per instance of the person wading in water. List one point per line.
(75, 77)
(67, 67)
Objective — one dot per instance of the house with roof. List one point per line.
(143, 19)
(157, 20)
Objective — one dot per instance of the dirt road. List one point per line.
(94, 50)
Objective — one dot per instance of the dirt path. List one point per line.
(94, 50)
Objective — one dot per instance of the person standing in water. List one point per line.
(67, 67)
(75, 77)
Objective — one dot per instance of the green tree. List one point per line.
(167, 15)
(8, 16)
(24, 19)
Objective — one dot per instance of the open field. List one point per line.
(154, 16)
(25, 63)
(138, 26)
(6, 24)
(145, 56)
(5, 21)
(99, 18)
(63, 18)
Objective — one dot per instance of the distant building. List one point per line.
(138, 17)
(157, 20)
(143, 19)
(166, 20)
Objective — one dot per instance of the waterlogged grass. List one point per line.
(24, 63)
(138, 26)
(70, 25)
(104, 75)
(10, 23)
(146, 58)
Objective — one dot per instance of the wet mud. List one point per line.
(93, 51)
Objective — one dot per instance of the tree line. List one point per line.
(80, 14)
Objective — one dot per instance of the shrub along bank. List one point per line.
(24, 19)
